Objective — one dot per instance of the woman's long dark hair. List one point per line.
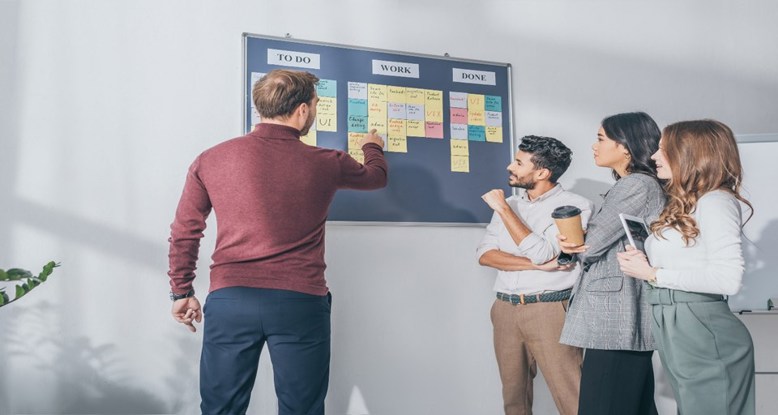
(639, 134)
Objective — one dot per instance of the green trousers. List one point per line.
(706, 351)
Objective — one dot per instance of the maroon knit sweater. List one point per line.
(270, 193)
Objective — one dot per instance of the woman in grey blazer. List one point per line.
(608, 315)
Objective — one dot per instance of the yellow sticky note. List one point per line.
(377, 123)
(398, 141)
(460, 156)
(460, 164)
(376, 92)
(476, 117)
(433, 115)
(475, 102)
(433, 105)
(398, 145)
(396, 94)
(327, 114)
(310, 138)
(377, 109)
(327, 105)
(358, 155)
(494, 134)
(460, 148)
(353, 139)
(396, 128)
(326, 123)
(415, 128)
(415, 96)
(433, 98)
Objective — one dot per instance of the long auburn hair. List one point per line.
(702, 156)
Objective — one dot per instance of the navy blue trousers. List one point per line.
(238, 323)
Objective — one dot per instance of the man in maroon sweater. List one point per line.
(270, 193)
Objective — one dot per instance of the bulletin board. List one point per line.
(447, 124)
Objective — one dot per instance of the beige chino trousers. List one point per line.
(527, 337)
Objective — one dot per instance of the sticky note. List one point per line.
(358, 155)
(493, 119)
(475, 102)
(309, 138)
(476, 133)
(459, 116)
(460, 156)
(327, 88)
(459, 131)
(494, 134)
(415, 128)
(353, 139)
(457, 99)
(357, 90)
(357, 106)
(493, 103)
(433, 129)
(395, 94)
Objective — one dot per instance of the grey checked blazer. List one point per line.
(607, 310)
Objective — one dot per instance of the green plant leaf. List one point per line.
(47, 270)
(15, 274)
(28, 281)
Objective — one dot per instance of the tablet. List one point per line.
(637, 230)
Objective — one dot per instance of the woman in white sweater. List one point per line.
(695, 260)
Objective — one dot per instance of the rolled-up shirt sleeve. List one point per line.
(543, 246)
(540, 248)
(491, 239)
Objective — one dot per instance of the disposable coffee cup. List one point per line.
(568, 221)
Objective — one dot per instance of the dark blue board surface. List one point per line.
(422, 188)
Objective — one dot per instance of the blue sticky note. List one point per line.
(357, 123)
(492, 103)
(327, 88)
(357, 106)
(476, 133)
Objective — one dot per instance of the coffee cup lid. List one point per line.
(563, 212)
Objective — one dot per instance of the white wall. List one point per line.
(104, 104)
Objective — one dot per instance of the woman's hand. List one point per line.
(634, 263)
(570, 248)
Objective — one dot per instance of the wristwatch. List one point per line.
(175, 297)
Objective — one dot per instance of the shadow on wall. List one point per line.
(591, 189)
(88, 377)
(761, 264)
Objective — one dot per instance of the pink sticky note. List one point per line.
(433, 129)
(458, 115)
